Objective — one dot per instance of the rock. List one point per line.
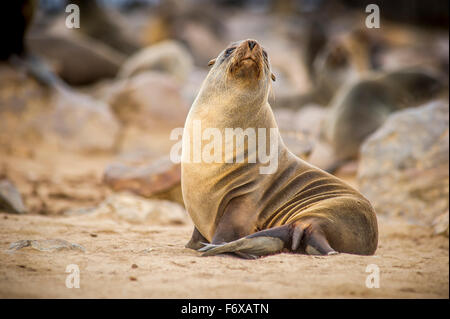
(10, 199)
(298, 143)
(77, 59)
(79, 211)
(31, 114)
(137, 210)
(192, 86)
(147, 99)
(160, 179)
(149, 105)
(322, 154)
(167, 56)
(46, 245)
(21, 101)
(403, 167)
(291, 80)
(286, 119)
(309, 120)
(196, 35)
(301, 131)
(78, 122)
(192, 24)
(440, 224)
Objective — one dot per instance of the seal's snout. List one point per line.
(250, 48)
(251, 44)
(248, 60)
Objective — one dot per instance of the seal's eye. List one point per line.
(229, 51)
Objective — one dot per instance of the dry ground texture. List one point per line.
(125, 260)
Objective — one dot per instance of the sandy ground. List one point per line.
(414, 267)
(125, 260)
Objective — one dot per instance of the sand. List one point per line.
(124, 260)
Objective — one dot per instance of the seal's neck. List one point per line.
(218, 96)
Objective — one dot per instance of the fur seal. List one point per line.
(363, 106)
(237, 209)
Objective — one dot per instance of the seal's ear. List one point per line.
(273, 77)
(211, 62)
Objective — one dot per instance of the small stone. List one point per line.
(46, 245)
(10, 199)
(440, 225)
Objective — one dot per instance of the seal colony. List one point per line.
(362, 107)
(235, 208)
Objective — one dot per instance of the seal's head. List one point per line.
(242, 66)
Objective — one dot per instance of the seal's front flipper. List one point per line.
(246, 247)
(196, 241)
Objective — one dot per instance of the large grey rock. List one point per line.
(403, 168)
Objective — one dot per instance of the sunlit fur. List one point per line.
(247, 74)
(228, 201)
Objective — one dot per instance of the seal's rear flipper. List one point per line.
(304, 237)
(246, 247)
(262, 243)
